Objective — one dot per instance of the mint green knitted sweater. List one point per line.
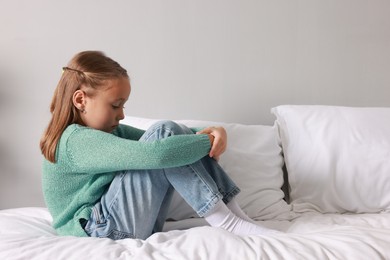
(87, 160)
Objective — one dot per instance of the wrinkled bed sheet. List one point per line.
(26, 233)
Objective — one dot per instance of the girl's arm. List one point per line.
(94, 151)
(219, 134)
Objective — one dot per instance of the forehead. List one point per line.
(117, 89)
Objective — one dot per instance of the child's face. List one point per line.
(104, 110)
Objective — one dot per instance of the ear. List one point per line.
(79, 99)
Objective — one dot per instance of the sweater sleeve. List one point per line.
(128, 132)
(95, 151)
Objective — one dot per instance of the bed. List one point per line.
(319, 174)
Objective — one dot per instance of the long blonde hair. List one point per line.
(88, 70)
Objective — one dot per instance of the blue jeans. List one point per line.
(137, 201)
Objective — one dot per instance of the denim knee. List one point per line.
(170, 126)
(161, 130)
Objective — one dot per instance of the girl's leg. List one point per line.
(206, 188)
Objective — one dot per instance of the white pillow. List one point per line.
(337, 158)
(254, 162)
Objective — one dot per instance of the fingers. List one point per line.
(218, 146)
(216, 150)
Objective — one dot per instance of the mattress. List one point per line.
(26, 233)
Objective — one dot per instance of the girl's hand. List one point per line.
(218, 145)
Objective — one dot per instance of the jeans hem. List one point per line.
(230, 195)
(210, 204)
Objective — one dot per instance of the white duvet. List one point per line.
(26, 233)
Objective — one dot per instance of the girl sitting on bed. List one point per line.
(104, 179)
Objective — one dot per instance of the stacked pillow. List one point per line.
(337, 158)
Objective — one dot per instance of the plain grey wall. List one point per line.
(212, 60)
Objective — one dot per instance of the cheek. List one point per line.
(103, 114)
(107, 114)
(97, 114)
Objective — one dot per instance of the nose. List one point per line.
(121, 115)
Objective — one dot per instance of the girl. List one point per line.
(103, 179)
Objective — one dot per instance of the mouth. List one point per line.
(113, 127)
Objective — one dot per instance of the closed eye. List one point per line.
(118, 104)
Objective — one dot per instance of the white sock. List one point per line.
(221, 216)
(236, 209)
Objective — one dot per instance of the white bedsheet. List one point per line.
(25, 233)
